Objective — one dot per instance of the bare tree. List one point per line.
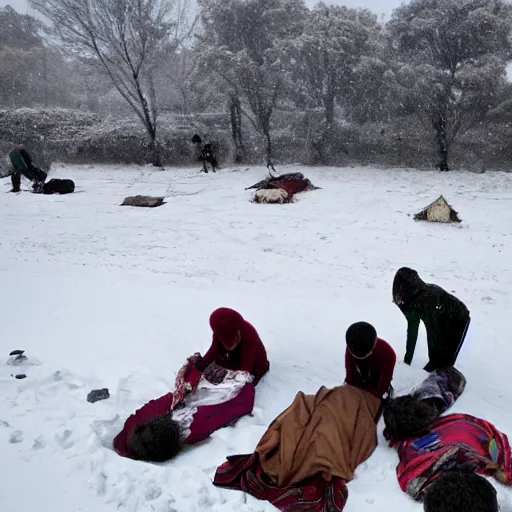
(128, 38)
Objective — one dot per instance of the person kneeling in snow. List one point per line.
(429, 445)
(236, 345)
(158, 431)
(461, 491)
(369, 360)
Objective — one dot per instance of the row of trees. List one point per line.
(442, 61)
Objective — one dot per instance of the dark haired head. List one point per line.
(196, 139)
(361, 338)
(157, 440)
(458, 491)
(407, 284)
(407, 416)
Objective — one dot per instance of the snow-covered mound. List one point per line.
(104, 296)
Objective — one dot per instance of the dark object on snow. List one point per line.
(157, 440)
(445, 317)
(17, 357)
(98, 394)
(438, 211)
(143, 201)
(196, 139)
(20, 376)
(57, 186)
(456, 491)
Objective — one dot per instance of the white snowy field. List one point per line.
(106, 296)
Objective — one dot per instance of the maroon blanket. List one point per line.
(244, 473)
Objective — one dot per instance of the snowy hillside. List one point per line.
(106, 296)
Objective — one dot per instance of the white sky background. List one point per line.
(378, 6)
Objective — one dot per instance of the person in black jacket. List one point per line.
(445, 317)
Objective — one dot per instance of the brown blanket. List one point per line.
(329, 433)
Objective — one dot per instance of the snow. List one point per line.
(101, 295)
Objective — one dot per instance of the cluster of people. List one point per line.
(21, 165)
(311, 450)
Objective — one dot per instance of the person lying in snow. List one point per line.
(429, 445)
(461, 491)
(369, 360)
(158, 431)
(309, 451)
(445, 317)
(236, 345)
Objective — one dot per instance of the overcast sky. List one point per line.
(378, 6)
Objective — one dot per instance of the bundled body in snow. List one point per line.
(309, 452)
(291, 183)
(158, 431)
(22, 165)
(445, 317)
(430, 447)
(211, 392)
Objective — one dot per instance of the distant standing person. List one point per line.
(445, 317)
(205, 154)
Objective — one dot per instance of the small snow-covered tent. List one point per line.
(438, 211)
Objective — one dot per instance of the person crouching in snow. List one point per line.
(159, 430)
(445, 317)
(236, 346)
(369, 360)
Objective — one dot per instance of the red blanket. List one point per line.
(206, 418)
(244, 473)
(455, 441)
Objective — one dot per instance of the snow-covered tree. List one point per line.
(324, 58)
(128, 38)
(240, 44)
(452, 57)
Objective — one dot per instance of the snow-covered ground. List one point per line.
(106, 296)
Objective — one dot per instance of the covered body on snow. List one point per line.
(309, 451)
(290, 184)
(143, 201)
(157, 431)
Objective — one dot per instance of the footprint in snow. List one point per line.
(64, 439)
(16, 437)
(39, 443)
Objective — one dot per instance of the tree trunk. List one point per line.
(268, 148)
(441, 142)
(235, 111)
(329, 109)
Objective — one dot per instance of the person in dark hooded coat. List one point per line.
(445, 317)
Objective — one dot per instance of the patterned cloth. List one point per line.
(445, 385)
(455, 441)
(244, 473)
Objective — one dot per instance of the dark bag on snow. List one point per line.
(56, 186)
